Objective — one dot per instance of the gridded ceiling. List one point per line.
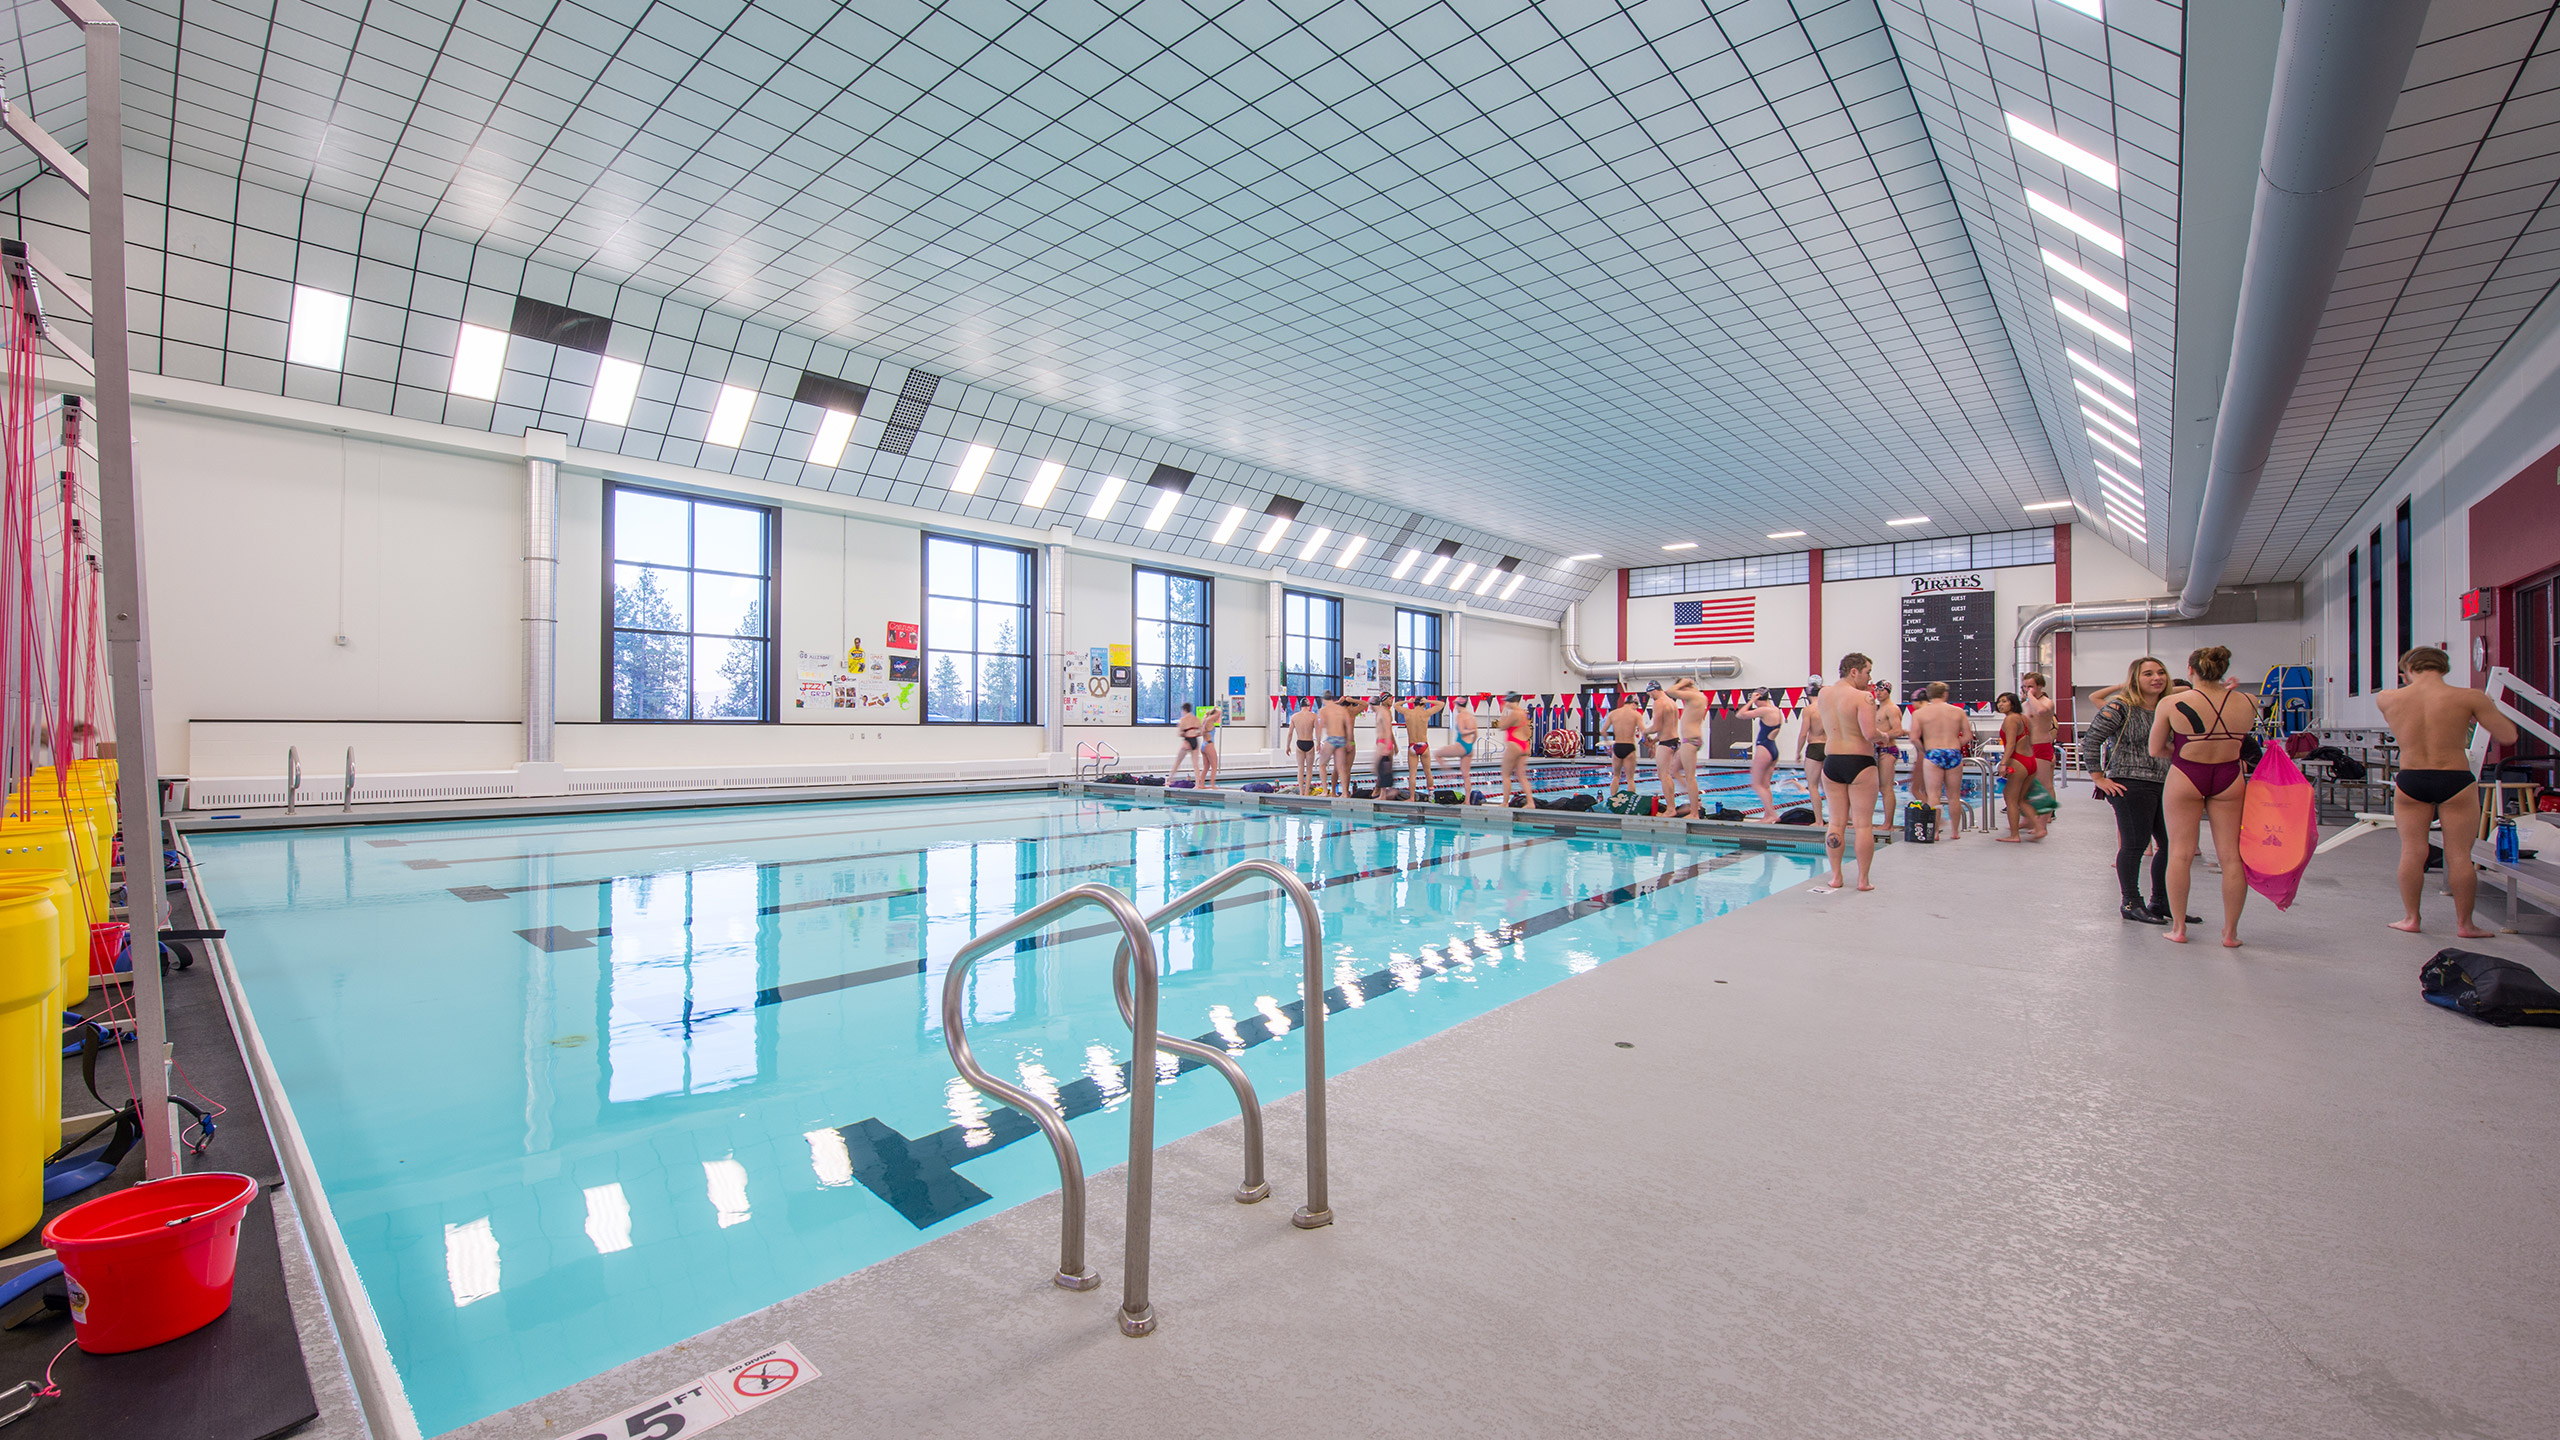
(1578, 277)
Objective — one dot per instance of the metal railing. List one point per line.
(292, 776)
(347, 797)
(1318, 1210)
(1136, 1317)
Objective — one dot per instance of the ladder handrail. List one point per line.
(292, 775)
(1318, 1210)
(1136, 1318)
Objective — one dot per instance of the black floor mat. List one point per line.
(239, 1378)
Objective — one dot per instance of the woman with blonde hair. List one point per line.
(2201, 742)
(2118, 746)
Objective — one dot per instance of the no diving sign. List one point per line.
(719, 1396)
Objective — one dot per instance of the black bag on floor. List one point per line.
(1576, 802)
(1920, 823)
(1801, 815)
(1727, 812)
(2485, 987)
(1447, 797)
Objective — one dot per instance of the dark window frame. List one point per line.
(1137, 652)
(1326, 680)
(1406, 682)
(2404, 604)
(2373, 608)
(927, 652)
(2355, 626)
(771, 640)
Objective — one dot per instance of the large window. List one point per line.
(2355, 627)
(2373, 610)
(1417, 652)
(1310, 643)
(1748, 573)
(977, 632)
(2404, 604)
(1172, 612)
(691, 608)
(1958, 552)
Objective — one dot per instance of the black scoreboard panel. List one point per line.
(1948, 636)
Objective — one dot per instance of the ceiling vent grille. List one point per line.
(914, 398)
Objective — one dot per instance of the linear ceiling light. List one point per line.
(1315, 542)
(1683, 545)
(1485, 586)
(2121, 453)
(1280, 511)
(2048, 505)
(2092, 324)
(1910, 520)
(1350, 548)
(1465, 573)
(2069, 219)
(1404, 564)
(1438, 564)
(2082, 278)
(479, 359)
(827, 446)
(1514, 587)
(973, 468)
(2134, 523)
(1105, 498)
(2093, 393)
(2044, 142)
(2094, 9)
(2102, 422)
(618, 385)
(1786, 534)
(2101, 371)
(1163, 510)
(729, 416)
(2117, 483)
(1170, 483)
(1577, 559)
(1227, 525)
(317, 335)
(1044, 483)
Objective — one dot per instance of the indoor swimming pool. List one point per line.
(581, 1087)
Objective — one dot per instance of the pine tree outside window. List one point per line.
(1171, 614)
(977, 633)
(689, 605)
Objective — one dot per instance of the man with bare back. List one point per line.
(1303, 726)
(1667, 746)
(1889, 733)
(2432, 719)
(1339, 716)
(1809, 752)
(1939, 730)
(1382, 757)
(1848, 709)
(2042, 727)
(1421, 776)
(1625, 724)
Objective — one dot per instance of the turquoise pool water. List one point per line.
(579, 1088)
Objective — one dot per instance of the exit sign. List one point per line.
(2479, 604)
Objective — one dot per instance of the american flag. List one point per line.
(1712, 622)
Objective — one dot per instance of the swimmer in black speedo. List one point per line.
(2432, 719)
(1303, 724)
(1848, 710)
(1625, 723)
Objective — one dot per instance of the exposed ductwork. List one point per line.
(543, 452)
(1705, 667)
(2340, 65)
(2038, 626)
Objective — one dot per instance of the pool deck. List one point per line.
(1968, 1155)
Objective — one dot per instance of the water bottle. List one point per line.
(2507, 844)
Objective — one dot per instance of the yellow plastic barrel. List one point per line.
(45, 846)
(30, 1048)
(71, 945)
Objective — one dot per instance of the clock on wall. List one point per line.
(2479, 652)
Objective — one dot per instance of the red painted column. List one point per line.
(2062, 642)
(1813, 612)
(1622, 612)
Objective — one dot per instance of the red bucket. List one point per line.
(151, 1263)
(106, 943)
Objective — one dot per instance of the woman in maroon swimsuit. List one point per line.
(2199, 733)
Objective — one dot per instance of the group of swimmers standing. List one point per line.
(1323, 737)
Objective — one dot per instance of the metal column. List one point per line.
(1053, 652)
(1274, 681)
(543, 452)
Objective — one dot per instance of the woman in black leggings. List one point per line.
(2132, 779)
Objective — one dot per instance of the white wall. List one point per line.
(1775, 657)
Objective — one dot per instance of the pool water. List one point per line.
(579, 1088)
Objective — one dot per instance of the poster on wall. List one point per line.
(1947, 635)
(902, 636)
(875, 699)
(904, 667)
(814, 670)
(1090, 696)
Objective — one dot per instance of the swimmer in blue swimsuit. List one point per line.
(1766, 719)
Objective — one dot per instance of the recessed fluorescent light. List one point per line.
(618, 384)
(1044, 483)
(1786, 534)
(2092, 324)
(2134, 523)
(1514, 587)
(1315, 542)
(973, 468)
(1105, 498)
(1350, 548)
(2092, 392)
(1486, 584)
(318, 333)
(2101, 371)
(2091, 8)
(1438, 564)
(2064, 216)
(2044, 142)
(2115, 484)
(1271, 534)
(1405, 564)
(2047, 505)
(827, 447)
(1910, 520)
(1683, 545)
(1577, 559)
(1465, 573)
(1227, 525)
(2083, 279)
(479, 359)
(2122, 453)
(729, 416)
(1163, 509)
(2111, 427)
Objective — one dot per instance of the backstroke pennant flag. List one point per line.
(1724, 621)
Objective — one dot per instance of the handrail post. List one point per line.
(292, 775)
(347, 799)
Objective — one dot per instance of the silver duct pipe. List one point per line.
(1453, 655)
(2042, 625)
(1053, 657)
(1274, 678)
(1705, 667)
(2339, 68)
(543, 453)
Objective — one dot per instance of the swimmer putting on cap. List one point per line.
(1849, 764)
(1420, 775)
(1665, 729)
(1382, 755)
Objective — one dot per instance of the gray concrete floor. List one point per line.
(1967, 1156)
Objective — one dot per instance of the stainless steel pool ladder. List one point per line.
(292, 776)
(1136, 957)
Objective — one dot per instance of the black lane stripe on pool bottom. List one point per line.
(829, 984)
(553, 939)
(919, 1177)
